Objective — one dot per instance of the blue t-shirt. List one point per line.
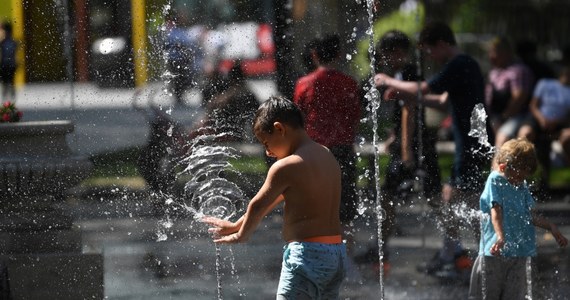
(516, 203)
(554, 99)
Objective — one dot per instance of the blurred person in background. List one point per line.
(526, 51)
(508, 91)
(230, 108)
(183, 57)
(393, 57)
(7, 62)
(549, 118)
(458, 86)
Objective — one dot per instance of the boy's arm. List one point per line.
(542, 222)
(269, 196)
(497, 220)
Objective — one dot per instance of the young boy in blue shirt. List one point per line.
(507, 227)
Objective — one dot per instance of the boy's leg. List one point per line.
(293, 284)
(450, 223)
(493, 276)
(388, 201)
(312, 270)
(476, 282)
(463, 213)
(516, 286)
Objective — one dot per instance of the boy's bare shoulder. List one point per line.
(300, 157)
(288, 162)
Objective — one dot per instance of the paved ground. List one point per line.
(123, 226)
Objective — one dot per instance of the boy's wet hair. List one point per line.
(437, 31)
(277, 109)
(518, 154)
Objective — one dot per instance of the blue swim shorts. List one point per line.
(311, 269)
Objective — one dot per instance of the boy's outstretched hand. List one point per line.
(223, 231)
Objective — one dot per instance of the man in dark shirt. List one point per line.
(459, 85)
(407, 136)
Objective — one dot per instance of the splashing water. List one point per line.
(209, 191)
(373, 99)
(479, 129)
(528, 278)
(464, 212)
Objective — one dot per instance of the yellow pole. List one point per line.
(139, 41)
(18, 34)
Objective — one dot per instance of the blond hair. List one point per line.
(518, 154)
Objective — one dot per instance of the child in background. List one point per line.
(306, 177)
(508, 235)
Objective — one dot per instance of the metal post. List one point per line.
(139, 41)
(283, 44)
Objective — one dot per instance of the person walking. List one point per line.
(508, 91)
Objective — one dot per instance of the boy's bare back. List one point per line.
(306, 176)
(312, 199)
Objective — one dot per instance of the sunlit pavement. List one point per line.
(105, 119)
(123, 226)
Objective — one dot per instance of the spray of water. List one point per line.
(209, 190)
(206, 167)
(479, 130)
(373, 99)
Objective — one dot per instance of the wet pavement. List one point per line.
(126, 227)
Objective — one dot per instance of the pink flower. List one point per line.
(6, 117)
(7, 104)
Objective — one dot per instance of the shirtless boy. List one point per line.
(307, 178)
